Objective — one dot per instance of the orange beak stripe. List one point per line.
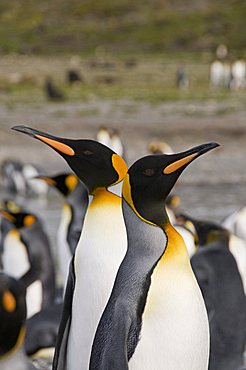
(48, 181)
(63, 148)
(180, 163)
(7, 216)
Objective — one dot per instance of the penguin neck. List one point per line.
(176, 251)
(103, 197)
(142, 235)
(17, 347)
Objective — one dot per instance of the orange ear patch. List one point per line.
(29, 220)
(178, 164)
(71, 181)
(120, 167)
(63, 148)
(9, 301)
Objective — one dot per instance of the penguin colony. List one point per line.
(145, 287)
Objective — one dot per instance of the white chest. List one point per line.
(15, 257)
(34, 298)
(175, 332)
(64, 254)
(99, 253)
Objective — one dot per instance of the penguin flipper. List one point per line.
(111, 353)
(59, 360)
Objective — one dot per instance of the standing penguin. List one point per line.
(155, 318)
(221, 285)
(12, 325)
(235, 222)
(72, 216)
(27, 256)
(207, 232)
(5, 224)
(100, 250)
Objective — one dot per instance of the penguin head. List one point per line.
(95, 164)
(19, 219)
(10, 205)
(12, 313)
(207, 232)
(151, 178)
(64, 183)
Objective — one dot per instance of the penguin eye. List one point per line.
(88, 152)
(149, 172)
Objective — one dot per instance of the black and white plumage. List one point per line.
(219, 279)
(72, 216)
(27, 256)
(155, 317)
(97, 257)
(21, 178)
(12, 325)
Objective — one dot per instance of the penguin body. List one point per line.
(235, 222)
(116, 143)
(42, 330)
(52, 92)
(12, 175)
(159, 147)
(27, 256)
(20, 178)
(206, 232)
(104, 136)
(217, 274)
(146, 348)
(98, 254)
(189, 239)
(78, 203)
(5, 227)
(155, 317)
(12, 325)
(15, 258)
(112, 139)
(105, 212)
(72, 217)
(237, 247)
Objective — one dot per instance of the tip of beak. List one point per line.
(214, 145)
(207, 147)
(24, 129)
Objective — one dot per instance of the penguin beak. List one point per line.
(46, 179)
(181, 160)
(7, 215)
(57, 143)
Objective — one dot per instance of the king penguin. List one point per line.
(72, 216)
(235, 222)
(12, 325)
(5, 224)
(221, 285)
(100, 250)
(207, 232)
(155, 318)
(27, 256)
